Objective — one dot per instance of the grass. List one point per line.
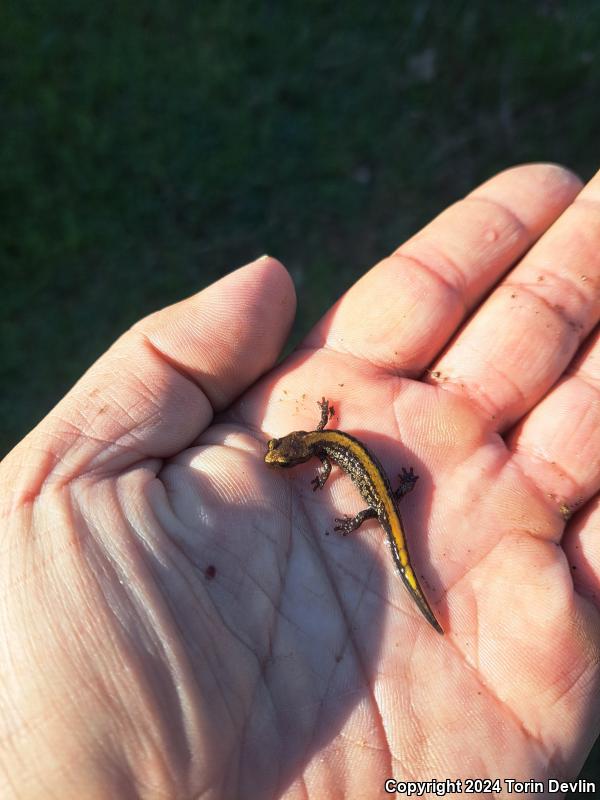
(148, 148)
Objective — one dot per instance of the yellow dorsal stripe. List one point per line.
(380, 485)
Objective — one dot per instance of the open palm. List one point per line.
(180, 621)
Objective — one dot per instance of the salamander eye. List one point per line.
(273, 444)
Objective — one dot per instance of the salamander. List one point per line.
(371, 481)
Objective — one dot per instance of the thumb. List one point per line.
(156, 389)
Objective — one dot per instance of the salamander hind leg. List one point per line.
(407, 483)
(349, 524)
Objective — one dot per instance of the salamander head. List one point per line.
(289, 450)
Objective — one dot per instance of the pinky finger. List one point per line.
(582, 547)
(557, 445)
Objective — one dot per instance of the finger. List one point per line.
(402, 313)
(581, 545)
(521, 340)
(156, 388)
(558, 444)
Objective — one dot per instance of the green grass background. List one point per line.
(148, 148)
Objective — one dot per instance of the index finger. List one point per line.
(404, 311)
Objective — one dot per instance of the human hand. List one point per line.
(176, 623)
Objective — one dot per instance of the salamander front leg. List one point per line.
(322, 474)
(349, 524)
(407, 483)
(327, 413)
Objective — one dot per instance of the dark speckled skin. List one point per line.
(352, 460)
